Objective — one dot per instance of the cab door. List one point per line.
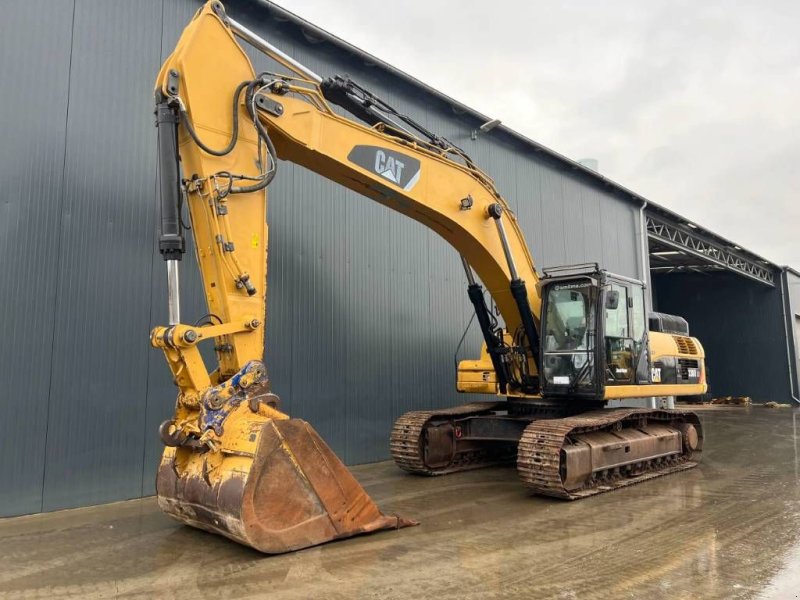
(625, 334)
(621, 351)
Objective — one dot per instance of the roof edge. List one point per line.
(281, 13)
(286, 15)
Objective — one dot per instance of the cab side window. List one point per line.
(620, 367)
(617, 318)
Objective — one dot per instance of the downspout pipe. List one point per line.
(645, 263)
(645, 274)
(792, 368)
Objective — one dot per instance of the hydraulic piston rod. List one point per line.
(496, 212)
(171, 243)
(274, 53)
(173, 292)
(519, 291)
(475, 293)
(468, 270)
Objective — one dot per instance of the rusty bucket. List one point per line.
(275, 486)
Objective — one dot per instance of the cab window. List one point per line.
(617, 318)
(567, 312)
(620, 364)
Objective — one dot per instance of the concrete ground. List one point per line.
(728, 529)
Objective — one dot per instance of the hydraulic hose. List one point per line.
(187, 122)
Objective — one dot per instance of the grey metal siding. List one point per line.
(791, 288)
(365, 307)
(94, 444)
(741, 326)
(33, 122)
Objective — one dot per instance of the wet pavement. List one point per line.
(727, 529)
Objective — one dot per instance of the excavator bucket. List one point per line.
(292, 492)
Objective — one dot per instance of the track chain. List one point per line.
(406, 441)
(539, 452)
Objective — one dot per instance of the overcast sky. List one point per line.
(694, 105)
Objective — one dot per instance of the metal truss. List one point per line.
(712, 254)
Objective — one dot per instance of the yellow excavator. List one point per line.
(567, 344)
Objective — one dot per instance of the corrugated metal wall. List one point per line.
(365, 307)
(741, 326)
(791, 287)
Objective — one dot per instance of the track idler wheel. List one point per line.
(690, 437)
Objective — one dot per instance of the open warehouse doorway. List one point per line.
(738, 304)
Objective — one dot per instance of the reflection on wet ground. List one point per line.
(728, 529)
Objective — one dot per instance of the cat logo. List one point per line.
(388, 166)
(399, 169)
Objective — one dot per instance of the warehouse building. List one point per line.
(365, 309)
(742, 307)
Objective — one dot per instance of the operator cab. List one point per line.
(593, 332)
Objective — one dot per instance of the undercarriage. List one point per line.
(564, 449)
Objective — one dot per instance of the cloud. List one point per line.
(691, 104)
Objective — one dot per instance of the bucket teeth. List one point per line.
(291, 493)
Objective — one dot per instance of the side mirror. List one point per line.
(612, 299)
